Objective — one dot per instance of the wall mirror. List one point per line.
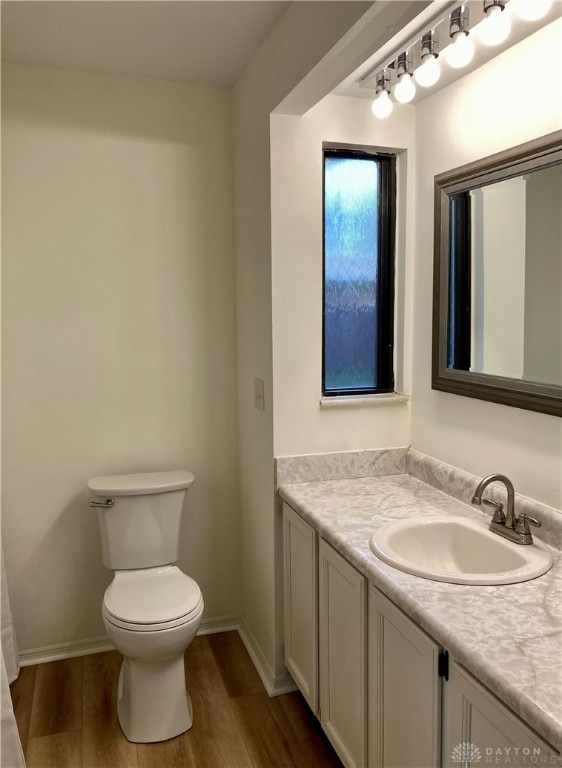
(497, 292)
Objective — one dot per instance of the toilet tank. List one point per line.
(140, 517)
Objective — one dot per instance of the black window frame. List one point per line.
(460, 278)
(384, 359)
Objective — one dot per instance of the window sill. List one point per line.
(391, 398)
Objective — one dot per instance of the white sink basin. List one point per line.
(459, 550)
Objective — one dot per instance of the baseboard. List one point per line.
(275, 685)
(224, 624)
(100, 644)
(65, 650)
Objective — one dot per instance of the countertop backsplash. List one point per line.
(317, 467)
(454, 482)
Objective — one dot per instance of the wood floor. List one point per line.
(66, 715)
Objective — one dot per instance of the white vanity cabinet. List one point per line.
(300, 588)
(326, 636)
(404, 690)
(480, 730)
(386, 694)
(343, 656)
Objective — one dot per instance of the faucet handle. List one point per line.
(523, 523)
(498, 515)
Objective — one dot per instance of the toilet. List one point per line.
(151, 610)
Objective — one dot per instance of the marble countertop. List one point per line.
(509, 636)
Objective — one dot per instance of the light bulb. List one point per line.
(382, 105)
(494, 29)
(429, 72)
(531, 10)
(404, 90)
(460, 52)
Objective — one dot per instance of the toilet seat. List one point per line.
(156, 627)
(152, 599)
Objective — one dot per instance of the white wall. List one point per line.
(498, 279)
(118, 321)
(301, 425)
(543, 277)
(120, 348)
(300, 39)
(498, 106)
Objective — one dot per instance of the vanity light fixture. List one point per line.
(429, 71)
(382, 105)
(419, 63)
(461, 50)
(405, 89)
(531, 10)
(496, 26)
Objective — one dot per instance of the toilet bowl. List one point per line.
(151, 610)
(151, 616)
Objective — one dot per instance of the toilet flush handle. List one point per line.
(104, 504)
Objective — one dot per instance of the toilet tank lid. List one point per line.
(140, 484)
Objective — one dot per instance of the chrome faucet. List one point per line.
(507, 519)
(506, 524)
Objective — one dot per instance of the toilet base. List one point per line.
(152, 701)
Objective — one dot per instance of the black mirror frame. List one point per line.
(544, 398)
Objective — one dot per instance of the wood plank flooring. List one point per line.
(67, 718)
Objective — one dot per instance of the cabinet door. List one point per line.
(300, 559)
(342, 646)
(404, 690)
(480, 730)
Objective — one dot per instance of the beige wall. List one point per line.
(300, 39)
(498, 278)
(543, 276)
(122, 347)
(301, 425)
(270, 290)
(118, 330)
(498, 106)
(121, 337)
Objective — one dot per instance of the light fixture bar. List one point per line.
(408, 43)
(438, 26)
(465, 29)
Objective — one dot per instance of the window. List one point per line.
(358, 311)
(460, 300)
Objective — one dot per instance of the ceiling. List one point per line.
(206, 42)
